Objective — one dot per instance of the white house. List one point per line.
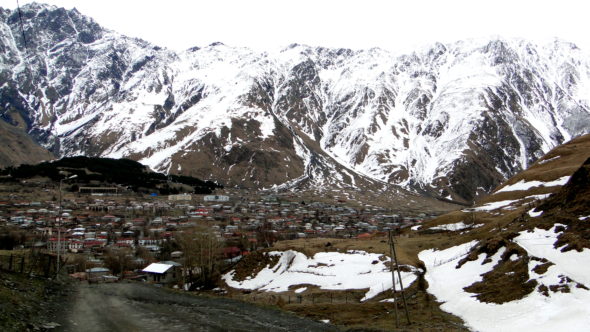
(163, 272)
(216, 198)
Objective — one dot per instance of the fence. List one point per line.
(324, 298)
(312, 298)
(30, 262)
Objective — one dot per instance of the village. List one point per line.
(106, 234)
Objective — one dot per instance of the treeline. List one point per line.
(123, 172)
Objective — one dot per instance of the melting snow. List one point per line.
(493, 205)
(524, 185)
(548, 160)
(328, 270)
(534, 213)
(574, 264)
(454, 227)
(300, 290)
(535, 312)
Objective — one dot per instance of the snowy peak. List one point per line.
(451, 120)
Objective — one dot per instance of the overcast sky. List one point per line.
(389, 24)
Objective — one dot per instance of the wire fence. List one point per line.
(328, 297)
(32, 263)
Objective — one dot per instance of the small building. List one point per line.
(216, 198)
(99, 190)
(97, 273)
(167, 272)
(55, 244)
(180, 197)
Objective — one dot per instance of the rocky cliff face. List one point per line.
(450, 121)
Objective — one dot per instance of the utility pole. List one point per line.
(401, 285)
(59, 218)
(392, 268)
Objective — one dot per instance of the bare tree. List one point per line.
(202, 257)
(118, 260)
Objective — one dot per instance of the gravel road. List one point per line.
(139, 307)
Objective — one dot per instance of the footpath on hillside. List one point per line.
(140, 307)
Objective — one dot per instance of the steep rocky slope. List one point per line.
(449, 121)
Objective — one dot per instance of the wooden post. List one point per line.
(22, 264)
(10, 263)
(392, 268)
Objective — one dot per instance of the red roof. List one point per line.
(93, 243)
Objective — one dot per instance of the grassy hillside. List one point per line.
(19, 148)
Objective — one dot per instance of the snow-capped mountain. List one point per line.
(450, 120)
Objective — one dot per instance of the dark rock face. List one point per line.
(452, 121)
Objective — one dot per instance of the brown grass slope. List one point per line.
(561, 161)
(18, 148)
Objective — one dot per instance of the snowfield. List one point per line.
(559, 311)
(526, 185)
(454, 227)
(327, 270)
(507, 204)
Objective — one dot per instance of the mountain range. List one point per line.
(450, 121)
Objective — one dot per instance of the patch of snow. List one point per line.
(534, 213)
(526, 185)
(548, 160)
(535, 312)
(415, 228)
(454, 227)
(493, 205)
(300, 290)
(539, 243)
(327, 270)
(584, 218)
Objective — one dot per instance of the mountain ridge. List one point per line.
(451, 121)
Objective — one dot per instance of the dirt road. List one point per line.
(139, 307)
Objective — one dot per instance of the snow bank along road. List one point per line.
(138, 307)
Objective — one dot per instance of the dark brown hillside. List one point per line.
(570, 207)
(574, 197)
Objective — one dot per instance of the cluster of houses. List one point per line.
(89, 224)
